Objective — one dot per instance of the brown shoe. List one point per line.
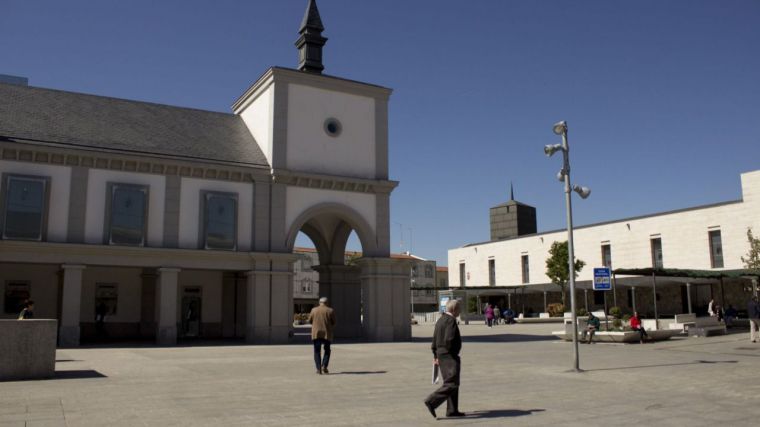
(325, 371)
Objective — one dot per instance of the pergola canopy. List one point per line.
(689, 273)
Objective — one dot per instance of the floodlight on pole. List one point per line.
(560, 128)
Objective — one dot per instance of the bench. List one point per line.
(682, 322)
(706, 326)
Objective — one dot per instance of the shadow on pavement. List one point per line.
(359, 372)
(75, 375)
(497, 413)
(696, 362)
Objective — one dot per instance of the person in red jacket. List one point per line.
(636, 326)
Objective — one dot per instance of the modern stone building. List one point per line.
(176, 222)
(511, 271)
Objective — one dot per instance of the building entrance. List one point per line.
(191, 312)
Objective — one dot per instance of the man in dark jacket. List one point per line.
(446, 346)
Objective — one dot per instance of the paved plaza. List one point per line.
(512, 375)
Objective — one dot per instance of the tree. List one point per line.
(558, 269)
(753, 256)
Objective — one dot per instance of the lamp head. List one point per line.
(560, 127)
(584, 192)
(561, 175)
(550, 149)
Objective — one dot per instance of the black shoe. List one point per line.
(325, 371)
(431, 409)
(456, 414)
(319, 372)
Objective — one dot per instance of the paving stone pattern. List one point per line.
(513, 375)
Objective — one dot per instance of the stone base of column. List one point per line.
(166, 335)
(280, 334)
(68, 336)
(386, 299)
(257, 335)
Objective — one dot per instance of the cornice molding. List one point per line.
(332, 182)
(97, 159)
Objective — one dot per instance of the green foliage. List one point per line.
(626, 318)
(616, 312)
(556, 309)
(753, 256)
(617, 324)
(557, 268)
(472, 305)
(353, 258)
(582, 312)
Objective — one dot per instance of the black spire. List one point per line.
(511, 191)
(310, 42)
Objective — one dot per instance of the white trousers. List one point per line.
(753, 328)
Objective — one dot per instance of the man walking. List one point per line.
(753, 312)
(322, 319)
(446, 346)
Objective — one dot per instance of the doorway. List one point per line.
(191, 312)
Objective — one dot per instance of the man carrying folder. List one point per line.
(446, 346)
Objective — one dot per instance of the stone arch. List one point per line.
(348, 220)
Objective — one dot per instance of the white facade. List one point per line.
(684, 236)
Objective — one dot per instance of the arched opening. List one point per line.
(329, 242)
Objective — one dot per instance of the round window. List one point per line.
(333, 127)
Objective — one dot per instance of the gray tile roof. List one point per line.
(80, 120)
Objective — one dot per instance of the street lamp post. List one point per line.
(560, 128)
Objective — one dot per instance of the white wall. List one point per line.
(684, 243)
(258, 117)
(97, 183)
(310, 149)
(190, 210)
(299, 199)
(60, 187)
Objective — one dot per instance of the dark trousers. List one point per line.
(318, 360)
(642, 333)
(450, 367)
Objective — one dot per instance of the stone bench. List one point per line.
(707, 326)
(27, 349)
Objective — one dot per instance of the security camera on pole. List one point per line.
(564, 175)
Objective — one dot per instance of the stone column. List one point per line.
(148, 304)
(688, 296)
(70, 305)
(585, 298)
(344, 295)
(269, 299)
(546, 308)
(633, 297)
(166, 306)
(385, 299)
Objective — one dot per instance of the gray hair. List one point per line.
(323, 300)
(451, 305)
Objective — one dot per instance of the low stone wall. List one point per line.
(27, 349)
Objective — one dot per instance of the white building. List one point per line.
(712, 237)
(179, 222)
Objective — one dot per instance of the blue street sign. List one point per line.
(602, 279)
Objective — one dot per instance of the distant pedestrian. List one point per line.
(446, 346)
(28, 311)
(591, 328)
(730, 315)
(322, 319)
(489, 315)
(711, 308)
(100, 317)
(638, 327)
(496, 315)
(509, 316)
(753, 312)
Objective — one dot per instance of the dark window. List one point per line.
(414, 271)
(630, 297)
(716, 249)
(491, 272)
(128, 211)
(25, 200)
(525, 269)
(220, 221)
(16, 293)
(443, 283)
(599, 297)
(462, 277)
(607, 256)
(657, 253)
(429, 271)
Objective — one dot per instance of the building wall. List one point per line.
(684, 243)
(299, 199)
(310, 149)
(258, 117)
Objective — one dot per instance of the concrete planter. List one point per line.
(27, 349)
(620, 337)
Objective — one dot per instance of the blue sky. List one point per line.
(662, 98)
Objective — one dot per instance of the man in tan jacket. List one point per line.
(322, 319)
